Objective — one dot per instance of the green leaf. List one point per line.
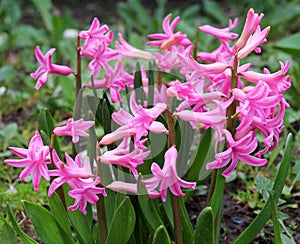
(215, 11)
(276, 224)
(44, 8)
(187, 228)
(138, 85)
(204, 232)
(263, 185)
(290, 44)
(59, 212)
(122, 224)
(199, 157)
(8, 235)
(149, 208)
(45, 225)
(6, 73)
(25, 238)
(161, 236)
(257, 224)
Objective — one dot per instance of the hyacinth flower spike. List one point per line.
(34, 160)
(47, 67)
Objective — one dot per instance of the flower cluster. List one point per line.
(219, 93)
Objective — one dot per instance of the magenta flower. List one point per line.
(167, 177)
(127, 51)
(95, 34)
(74, 128)
(237, 150)
(169, 38)
(122, 156)
(69, 173)
(115, 80)
(86, 192)
(47, 67)
(34, 160)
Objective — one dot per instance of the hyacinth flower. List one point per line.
(115, 80)
(86, 192)
(169, 38)
(137, 125)
(69, 173)
(95, 34)
(167, 177)
(34, 160)
(125, 50)
(47, 67)
(74, 128)
(237, 150)
(122, 156)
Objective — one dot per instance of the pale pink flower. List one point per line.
(95, 34)
(122, 156)
(223, 34)
(237, 150)
(252, 22)
(86, 192)
(121, 186)
(169, 38)
(74, 128)
(137, 125)
(278, 81)
(224, 50)
(70, 173)
(115, 80)
(34, 160)
(215, 118)
(47, 67)
(127, 51)
(255, 101)
(253, 42)
(166, 177)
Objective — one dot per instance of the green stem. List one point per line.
(196, 44)
(217, 184)
(100, 206)
(175, 201)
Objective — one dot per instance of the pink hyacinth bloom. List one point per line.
(253, 42)
(34, 160)
(115, 80)
(215, 118)
(255, 101)
(86, 192)
(100, 55)
(167, 177)
(121, 186)
(252, 22)
(122, 156)
(74, 128)
(70, 173)
(137, 125)
(47, 67)
(223, 34)
(127, 51)
(237, 150)
(278, 81)
(169, 38)
(95, 34)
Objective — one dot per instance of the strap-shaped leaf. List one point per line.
(204, 232)
(8, 235)
(59, 212)
(258, 223)
(187, 228)
(200, 156)
(25, 238)
(149, 209)
(122, 224)
(161, 236)
(45, 225)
